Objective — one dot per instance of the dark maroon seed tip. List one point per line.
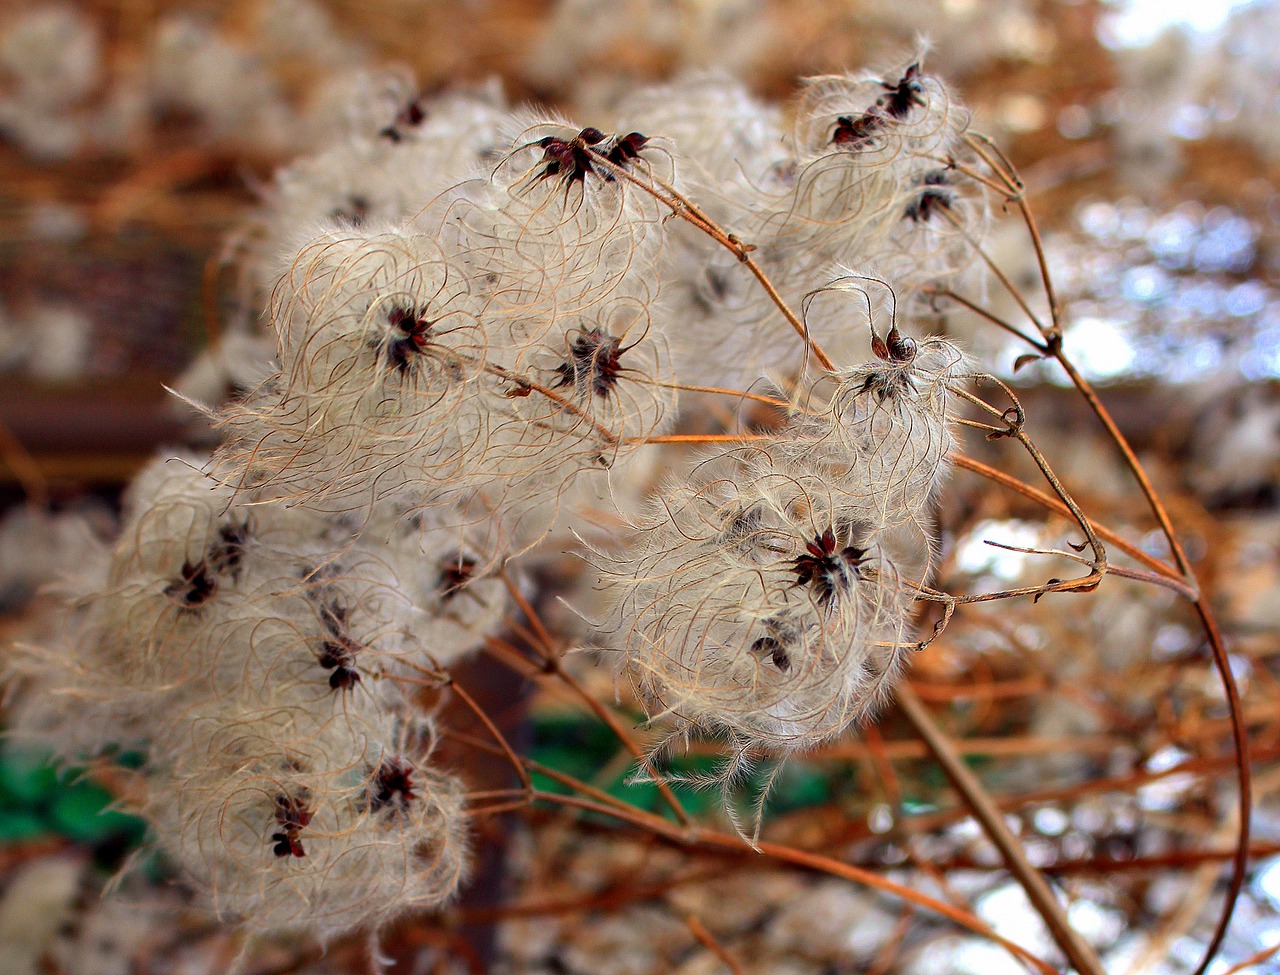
(344, 678)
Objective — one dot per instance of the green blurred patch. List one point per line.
(581, 746)
(38, 800)
(27, 776)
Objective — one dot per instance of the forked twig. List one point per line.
(712, 945)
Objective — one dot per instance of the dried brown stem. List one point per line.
(736, 393)
(498, 736)
(444, 680)
(980, 311)
(26, 470)
(605, 715)
(994, 157)
(546, 647)
(551, 667)
(1077, 951)
(800, 858)
(526, 383)
(997, 272)
(702, 438)
(1257, 958)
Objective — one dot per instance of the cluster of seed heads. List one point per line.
(475, 312)
(253, 653)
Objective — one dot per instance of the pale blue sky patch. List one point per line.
(1136, 23)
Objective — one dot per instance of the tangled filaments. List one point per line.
(497, 348)
(382, 355)
(867, 176)
(764, 608)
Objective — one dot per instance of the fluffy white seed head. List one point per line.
(382, 352)
(764, 606)
(281, 846)
(731, 144)
(196, 68)
(446, 561)
(393, 155)
(881, 429)
(559, 226)
(53, 54)
(860, 142)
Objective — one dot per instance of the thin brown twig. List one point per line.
(597, 900)
(888, 952)
(980, 311)
(498, 736)
(547, 650)
(994, 157)
(1255, 959)
(712, 945)
(1048, 501)
(586, 788)
(801, 858)
(1016, 432)
(997, 272)
(593, 800)
(603, 713)
(736, 393)
(26, 471)
(687, 210)
(701, 438)
(551, 667)
(499, 808)
(524, 383)
(951, 163)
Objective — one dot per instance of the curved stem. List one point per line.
(1053, 504)
(709, 942)
(1004, 169)
(800, 858)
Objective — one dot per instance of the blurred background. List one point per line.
(136, 138)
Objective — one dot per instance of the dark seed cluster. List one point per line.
(571, 160)
(825, 571)
(857, 131)
(410, 333)
(594, 363)
(391, 786)
(338, 651)
(292, 816)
